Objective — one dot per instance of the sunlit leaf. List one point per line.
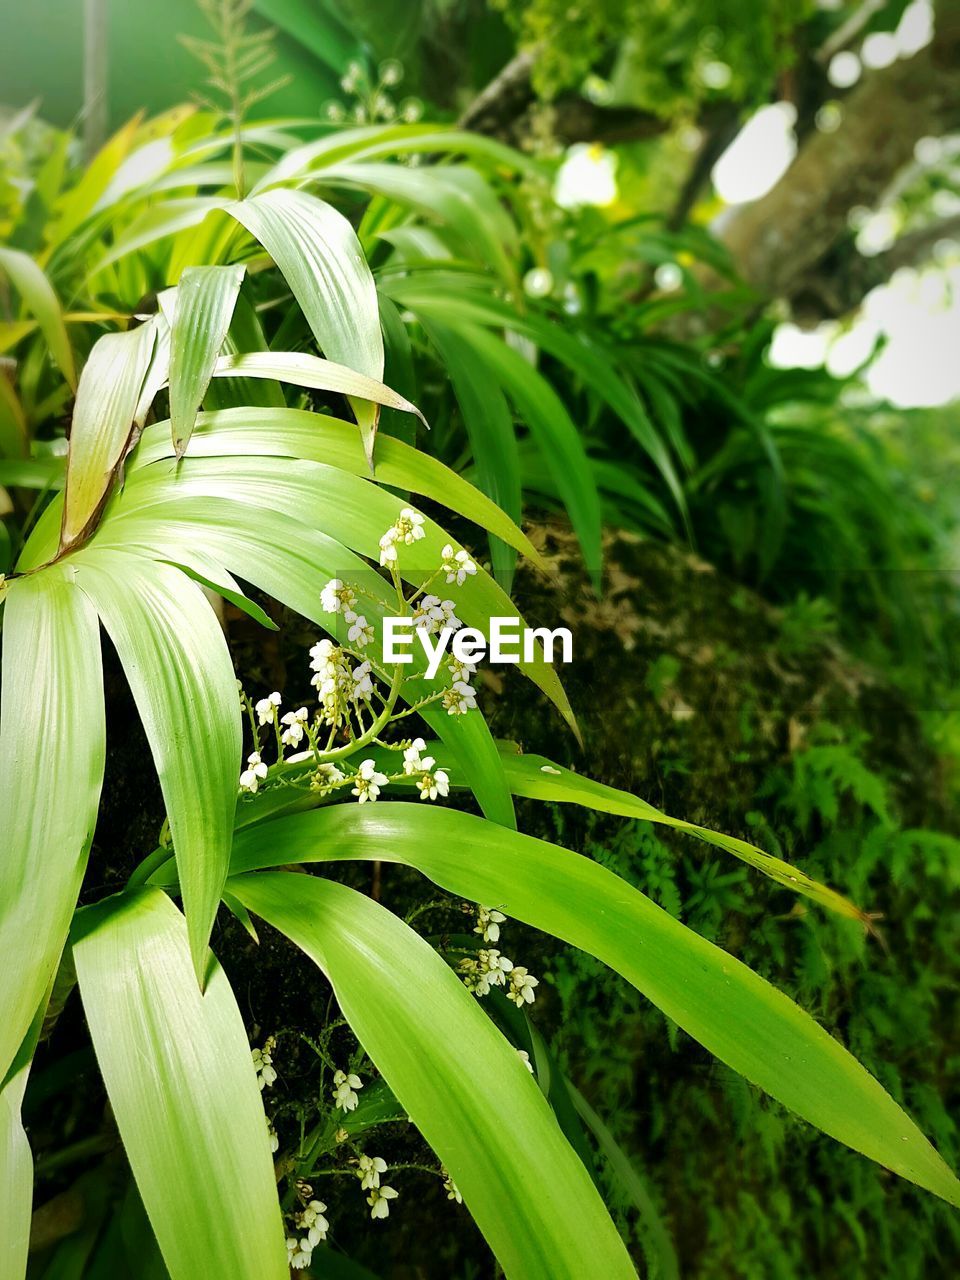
(206, 297)
(460, 1081)
(41, 301)
(183, 1089)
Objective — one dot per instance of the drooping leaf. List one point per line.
(732, 1011)
(183, 1089)
(206, 297)
(51, 770)
(41, 301)
(460, 1081)
(107, 400)
(310, 371)
(318, 253)
(295, 433)
(179, 669)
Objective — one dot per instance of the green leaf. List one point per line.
(183, 1089)
(319, 254)
(16, 1181)
(716, 999)
(490, 430)
(51, 770)
(537, 778)
(457, 195)
(296, 433)
(107, 401)
(179, 670)
(38, 296)
(462, 1084)
(310, 371)
(206, 297)
(553, 429)
(245, 334)
(14, 432)
(355, 512)
(293, 563)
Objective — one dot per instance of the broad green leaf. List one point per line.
(206, 297)
(310, 371)
(318, 253)
(245, 334)
(51, 770)
(537, 778)
(716, 999)
(295, 433)
(107, 401)
(355, 512)
(179, 669)
(460, 1081)
(183, 1089)
(40, 300)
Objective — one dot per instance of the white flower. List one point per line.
(314, 1223)
(411, 756)
(409, 527)
(456, 565)
(377, 1200)
(266, 708)
(525, 1059)
(521, 986)
(432, 782)
(368, 781)
(263, 1063)
(450, 619)
(326, 777)
(298, 1258)
(344, 1090)
(333, 680)
(292, 736)
(337, 597)
(388, 551)
(360, 632)
(459, 698)
(450, 1187)
(369, 1171)
(272, 1137)
(486, 970)
(254, 773)
(488, 924)
(362, 683)
(428, 615)
(460, 671)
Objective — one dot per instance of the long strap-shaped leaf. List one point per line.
(206, 297)
(37, 293)
(354, 511)
(107, 401)
(181, 676)
(295, 433)
(321, 259)
(51, 770)
(461, 1082)
(736, 1014)
(182, 1087)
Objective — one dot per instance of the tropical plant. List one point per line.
(297, 504)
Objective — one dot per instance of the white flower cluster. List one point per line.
(338, 683)
(489, 968)
(369, 1169)
(338, 597)
(313, 1224)
(379, 1201)
(434, 615)
(368, 781)
(450, 1187)
(457, 565)
(431, 781)
(263, 1063)
(345, 1086)
(408, 528)
(266, 708)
